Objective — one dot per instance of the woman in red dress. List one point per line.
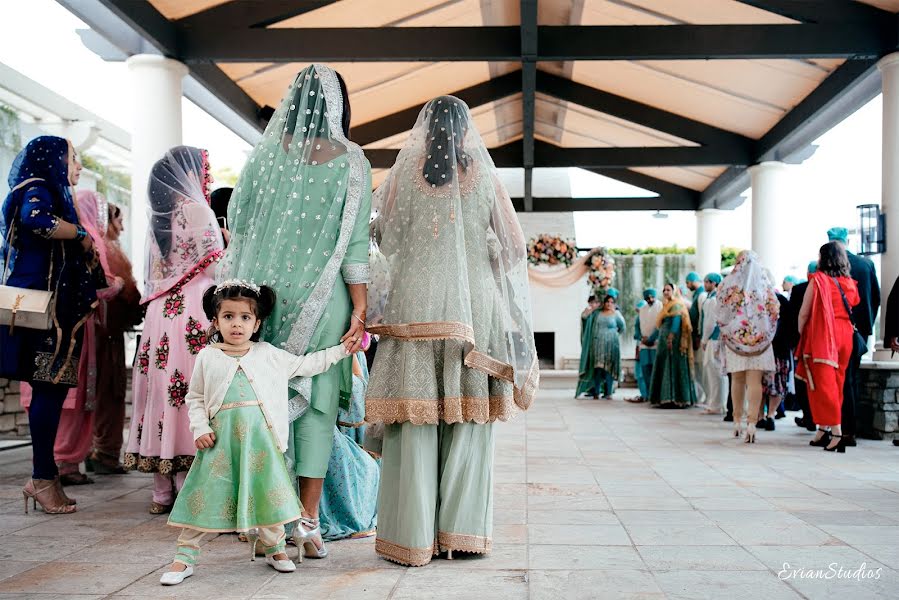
(825, 345)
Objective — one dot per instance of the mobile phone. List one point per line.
(223, 222)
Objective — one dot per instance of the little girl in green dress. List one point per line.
(237, 404)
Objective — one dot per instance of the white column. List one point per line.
(708, 242)
(770, 190)
(889, 199)
(156, 127)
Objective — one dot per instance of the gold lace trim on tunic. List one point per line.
(421, 411)
(413, 557)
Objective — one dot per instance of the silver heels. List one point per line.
(308, 538)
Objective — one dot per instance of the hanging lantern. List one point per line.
(872, 229)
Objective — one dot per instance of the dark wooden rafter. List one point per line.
(548, 155)
(529, 49)
(403, 120)
(555, 43)
(238, 14)
(507, 155)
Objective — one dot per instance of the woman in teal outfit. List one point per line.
(672, 375)
(601, 363)
(349, 502)
(299, 222)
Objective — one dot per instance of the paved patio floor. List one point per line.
(594, 499)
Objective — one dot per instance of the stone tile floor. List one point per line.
(594, 499)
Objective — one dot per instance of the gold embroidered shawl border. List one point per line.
(438, 330)
(413, 557)
(474, 359)
(463, 542)
(420, 411)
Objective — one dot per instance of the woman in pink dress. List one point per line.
(73, 438)
(183, 245)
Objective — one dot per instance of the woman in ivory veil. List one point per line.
(456, 351)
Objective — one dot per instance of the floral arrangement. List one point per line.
(548, 249)
(600, 271)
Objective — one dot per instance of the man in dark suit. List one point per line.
(863, 272)
(790, 318)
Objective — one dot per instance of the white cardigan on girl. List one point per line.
(268, 370)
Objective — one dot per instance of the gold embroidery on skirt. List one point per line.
(257, 461)
(221, 465)
(229, 510)
(241, 430)
(196, 503)
(279, 496)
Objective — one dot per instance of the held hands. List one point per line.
(207, 440)
(670, 341)
(352, 339)
(87, 243)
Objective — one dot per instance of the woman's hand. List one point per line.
(352, 339)
(670, 341)
(207, 440)
(87, 243)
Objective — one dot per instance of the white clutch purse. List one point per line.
(21, 307)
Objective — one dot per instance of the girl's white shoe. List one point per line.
(176, 577)
(281, 566)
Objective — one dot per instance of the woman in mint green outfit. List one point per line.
(456, 351)
(299, 219)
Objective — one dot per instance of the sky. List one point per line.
(821, 193)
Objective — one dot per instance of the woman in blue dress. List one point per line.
(348, 507)
(601, 362)
(45, 248)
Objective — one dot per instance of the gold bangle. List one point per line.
(355, 316)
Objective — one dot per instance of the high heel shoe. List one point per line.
(43, 492)
(750, 434)
(737, 432)
(840, 447)
(308, 538)
(253, 539)
(823, 441)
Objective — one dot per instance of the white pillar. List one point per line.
(889, 199)
(156, 127)
(708, 242)
(769, 191)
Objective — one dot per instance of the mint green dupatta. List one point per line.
(299, 219)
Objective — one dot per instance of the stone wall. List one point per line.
(877, 413)
(13, 418)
